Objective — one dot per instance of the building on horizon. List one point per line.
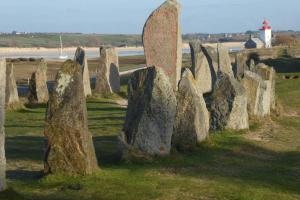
(264, 40)
(265, 34)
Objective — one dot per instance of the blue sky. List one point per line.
(129, 16)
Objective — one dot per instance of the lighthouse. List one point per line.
(266, 34)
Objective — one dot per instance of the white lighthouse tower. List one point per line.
(266, 34)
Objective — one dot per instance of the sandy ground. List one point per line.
(24, 69)
(72, 49)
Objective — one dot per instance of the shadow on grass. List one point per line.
(108, 109)
(107, 118)
(30, 111)
(234, 160)
(93, 101)
(36, 106)
(10, 194)
(237, 160)
(24, 175)
(25, 148)
(24, 126)
(284, 64)
(229, 157)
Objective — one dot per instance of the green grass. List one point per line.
(228, 165)
(69, 40)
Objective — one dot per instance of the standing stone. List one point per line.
(151, 111)
(162, 40)
(268, 74)
(192, 117)
(38, 90)
(218, 59)
(11, 92)
(258, 93)
(70, 146)
(2, 121)
(229, 104)
(240, 65)
(81, 59)
(200, 68)
(108, 77)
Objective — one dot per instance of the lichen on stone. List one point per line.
(63, 82)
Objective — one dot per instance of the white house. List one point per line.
(265, 34)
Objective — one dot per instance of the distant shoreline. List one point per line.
(129, 48)
(13, 52)
(43, 49)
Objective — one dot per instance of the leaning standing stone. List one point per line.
(162, 40)
(224, 60)
(2, 121)
(81, 59)
(192, 118)
(151, 110)
(70, 147)
(108, 77)
(218, 59)
(38, 90)
(200, 68)
(229, 104)
(11, 92)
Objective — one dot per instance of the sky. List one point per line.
(129, 16)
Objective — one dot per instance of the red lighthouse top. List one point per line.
(266, 25)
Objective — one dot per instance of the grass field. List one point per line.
(260, 164)
(69, 40)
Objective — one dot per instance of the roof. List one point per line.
(257, 40)
(254, 43)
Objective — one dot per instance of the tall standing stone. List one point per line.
(150, 115)
(108, 77)
(11, 92)
(258, 93)
(70, 146)
(2, 121)
(38, 89)
(192, 117)
(229, 104)
(162, 40)
(81, 59)
(200, 68)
